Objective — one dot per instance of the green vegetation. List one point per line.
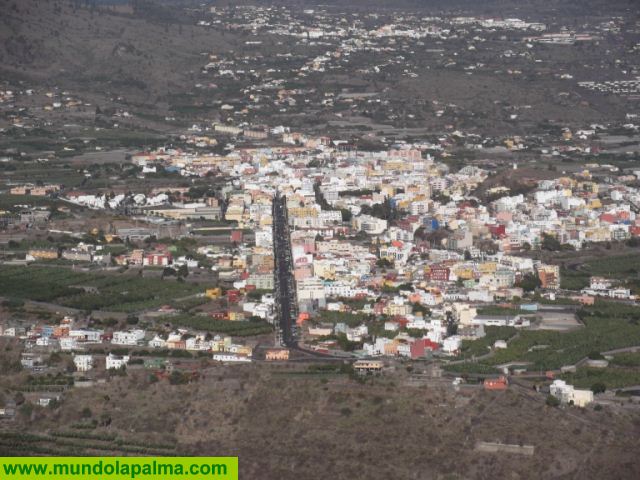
(205, 323)
(475, 348)
(573, 280)
(351, 319)
(608, 325)
(78, 443)
(189, 303)
(111, 292)
(552, 401)
(626, 360)
(8, 201)
(356, 193)
(469, 368)
(530, 282)
(611, 377)
(49, 380)
(552, 244)
(497, 310)
(620, 267)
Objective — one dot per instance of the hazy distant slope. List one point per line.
(59, 42)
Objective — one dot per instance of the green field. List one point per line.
(78, 443)
(471, 369)
(608, 325)
(120, 292)
(626, 360)
(205, 323)
(611, 377)
(9, 202)
(475, 348)
(619, 267)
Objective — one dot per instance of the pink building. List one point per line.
(157, 259)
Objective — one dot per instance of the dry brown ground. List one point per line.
(285, 426)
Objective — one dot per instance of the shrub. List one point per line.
(552, 401)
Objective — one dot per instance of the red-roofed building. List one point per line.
(499, 383)
(157, 259)
(607, 218)
(497, 231)
(428, 344)
(417, 349)
(439, 274)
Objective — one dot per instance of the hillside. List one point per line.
(285, 425)
(147, 53)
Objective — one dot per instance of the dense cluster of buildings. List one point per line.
(398, 232)
(71, 336)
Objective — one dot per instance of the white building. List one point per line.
(369, 224)
(132, 337)
(567, 394)
(451, 344)
(231, 357)
(83, 363)
(68, 343)
(157, 342)
(197, 343)
(87, 336)
(116, 361)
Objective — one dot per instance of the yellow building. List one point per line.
(303, 212)
(243, 350)
(236, 316)
(239, 263)
(465, 273)
(324, 270)
(396, 165)
(391, 348)
(598, 235)
(594, 204)
(590, 187)
(277, 354)
(43, 253)
(234, 213)
(393, 309)
(487, 267)
(213, 293)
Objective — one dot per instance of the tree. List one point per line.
(384, 263)
(178, 378)
(530, 282)
(598, 387)
(26, 409)
(452, 326)
(552, 401)
(183, 271)
(550, 243)
(417, 307)
(168, 272)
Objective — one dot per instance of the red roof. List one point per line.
(607, 217)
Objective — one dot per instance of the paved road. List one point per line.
(286, 298)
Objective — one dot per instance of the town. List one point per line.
(324, 206)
